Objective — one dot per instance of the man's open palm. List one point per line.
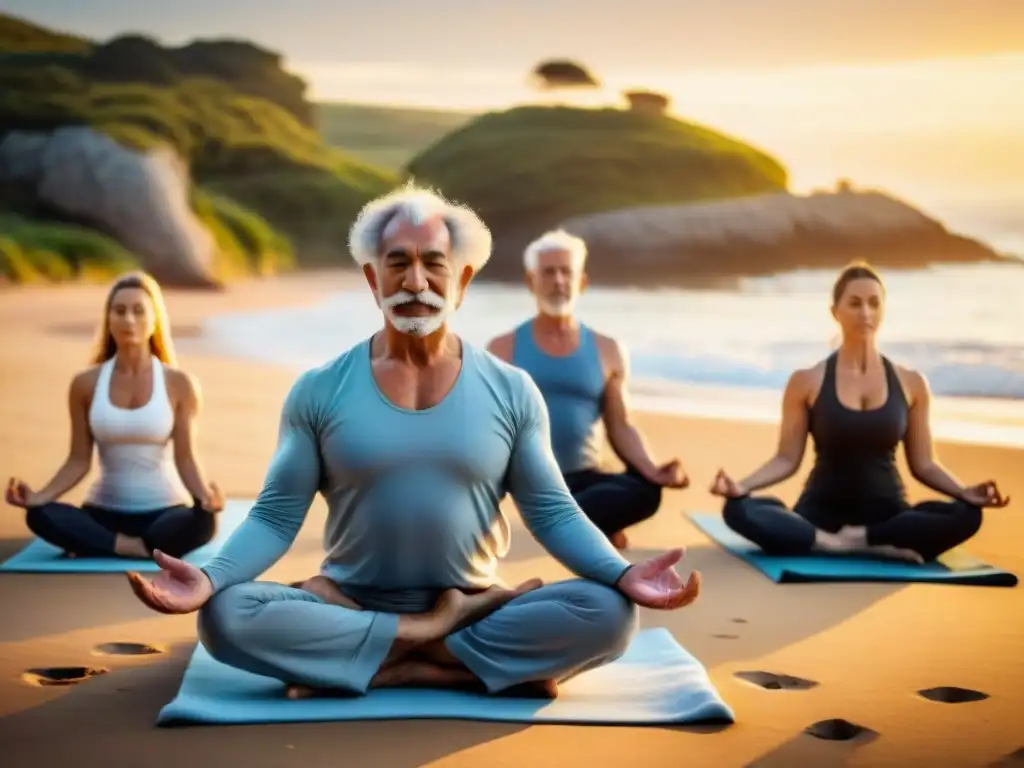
(178, 588)
(655, 583)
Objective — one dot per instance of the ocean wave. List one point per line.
(953, 369)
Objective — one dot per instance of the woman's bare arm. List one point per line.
(919, 446)
(79, 460)
(792, 436)
(188, 405)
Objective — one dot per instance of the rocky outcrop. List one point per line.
(765, 234)
(141, 199)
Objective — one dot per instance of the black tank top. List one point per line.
(855, 480)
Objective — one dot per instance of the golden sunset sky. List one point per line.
(922, 97)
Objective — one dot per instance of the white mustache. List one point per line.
(429, 298)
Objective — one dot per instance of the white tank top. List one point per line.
(137, 471)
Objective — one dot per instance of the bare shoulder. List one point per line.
(614, 353)
(85, 381)
(914, 383)
(181, 385)
(805, 382)
(502, 346)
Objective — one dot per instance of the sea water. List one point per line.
(728, 353)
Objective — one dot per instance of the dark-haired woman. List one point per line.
(858, 407)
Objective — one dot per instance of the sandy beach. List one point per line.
(870, 647)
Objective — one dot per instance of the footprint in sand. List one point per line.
(1012, 760)
(61, 675)
(950, 694)
(775, 682)
(127, 649)
(838, 729)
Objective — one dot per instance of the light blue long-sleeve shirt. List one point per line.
(413, 496)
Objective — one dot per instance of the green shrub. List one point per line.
(60, 251)
(14, 263)
(247, 240)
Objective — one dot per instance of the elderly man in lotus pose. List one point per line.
(414, 437)
(583, 377)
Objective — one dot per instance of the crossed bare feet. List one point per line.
(131, 546)
(853, 540)
(463, 609)
(422, 660)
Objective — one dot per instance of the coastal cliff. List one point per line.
(765, 234)
(142, 199)
(205, 161)
(197, 162)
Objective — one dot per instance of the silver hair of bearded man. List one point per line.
(471, 240)
(555, 240)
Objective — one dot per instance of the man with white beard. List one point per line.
(413, 437)
(584, 376)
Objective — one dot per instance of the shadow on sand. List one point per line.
(807, 749)
(132, 695)
(740, 613)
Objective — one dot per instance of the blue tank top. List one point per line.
(573, 388)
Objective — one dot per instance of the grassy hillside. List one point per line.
(387, 137)
(32, 251)
(22, 36)
(278, 176)
(132, 58)
(268, 185)
(529, 168)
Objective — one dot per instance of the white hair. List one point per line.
(555, 240)
(470, 238)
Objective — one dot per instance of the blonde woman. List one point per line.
(133, 404)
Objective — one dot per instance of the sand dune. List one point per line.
(869, 648)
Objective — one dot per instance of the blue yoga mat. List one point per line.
(655, 682)
(41, 557)
(954, 567)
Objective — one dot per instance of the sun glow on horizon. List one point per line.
(936, 129)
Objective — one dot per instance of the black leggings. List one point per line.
(89, 531)
(929, 528)
(614, 501)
